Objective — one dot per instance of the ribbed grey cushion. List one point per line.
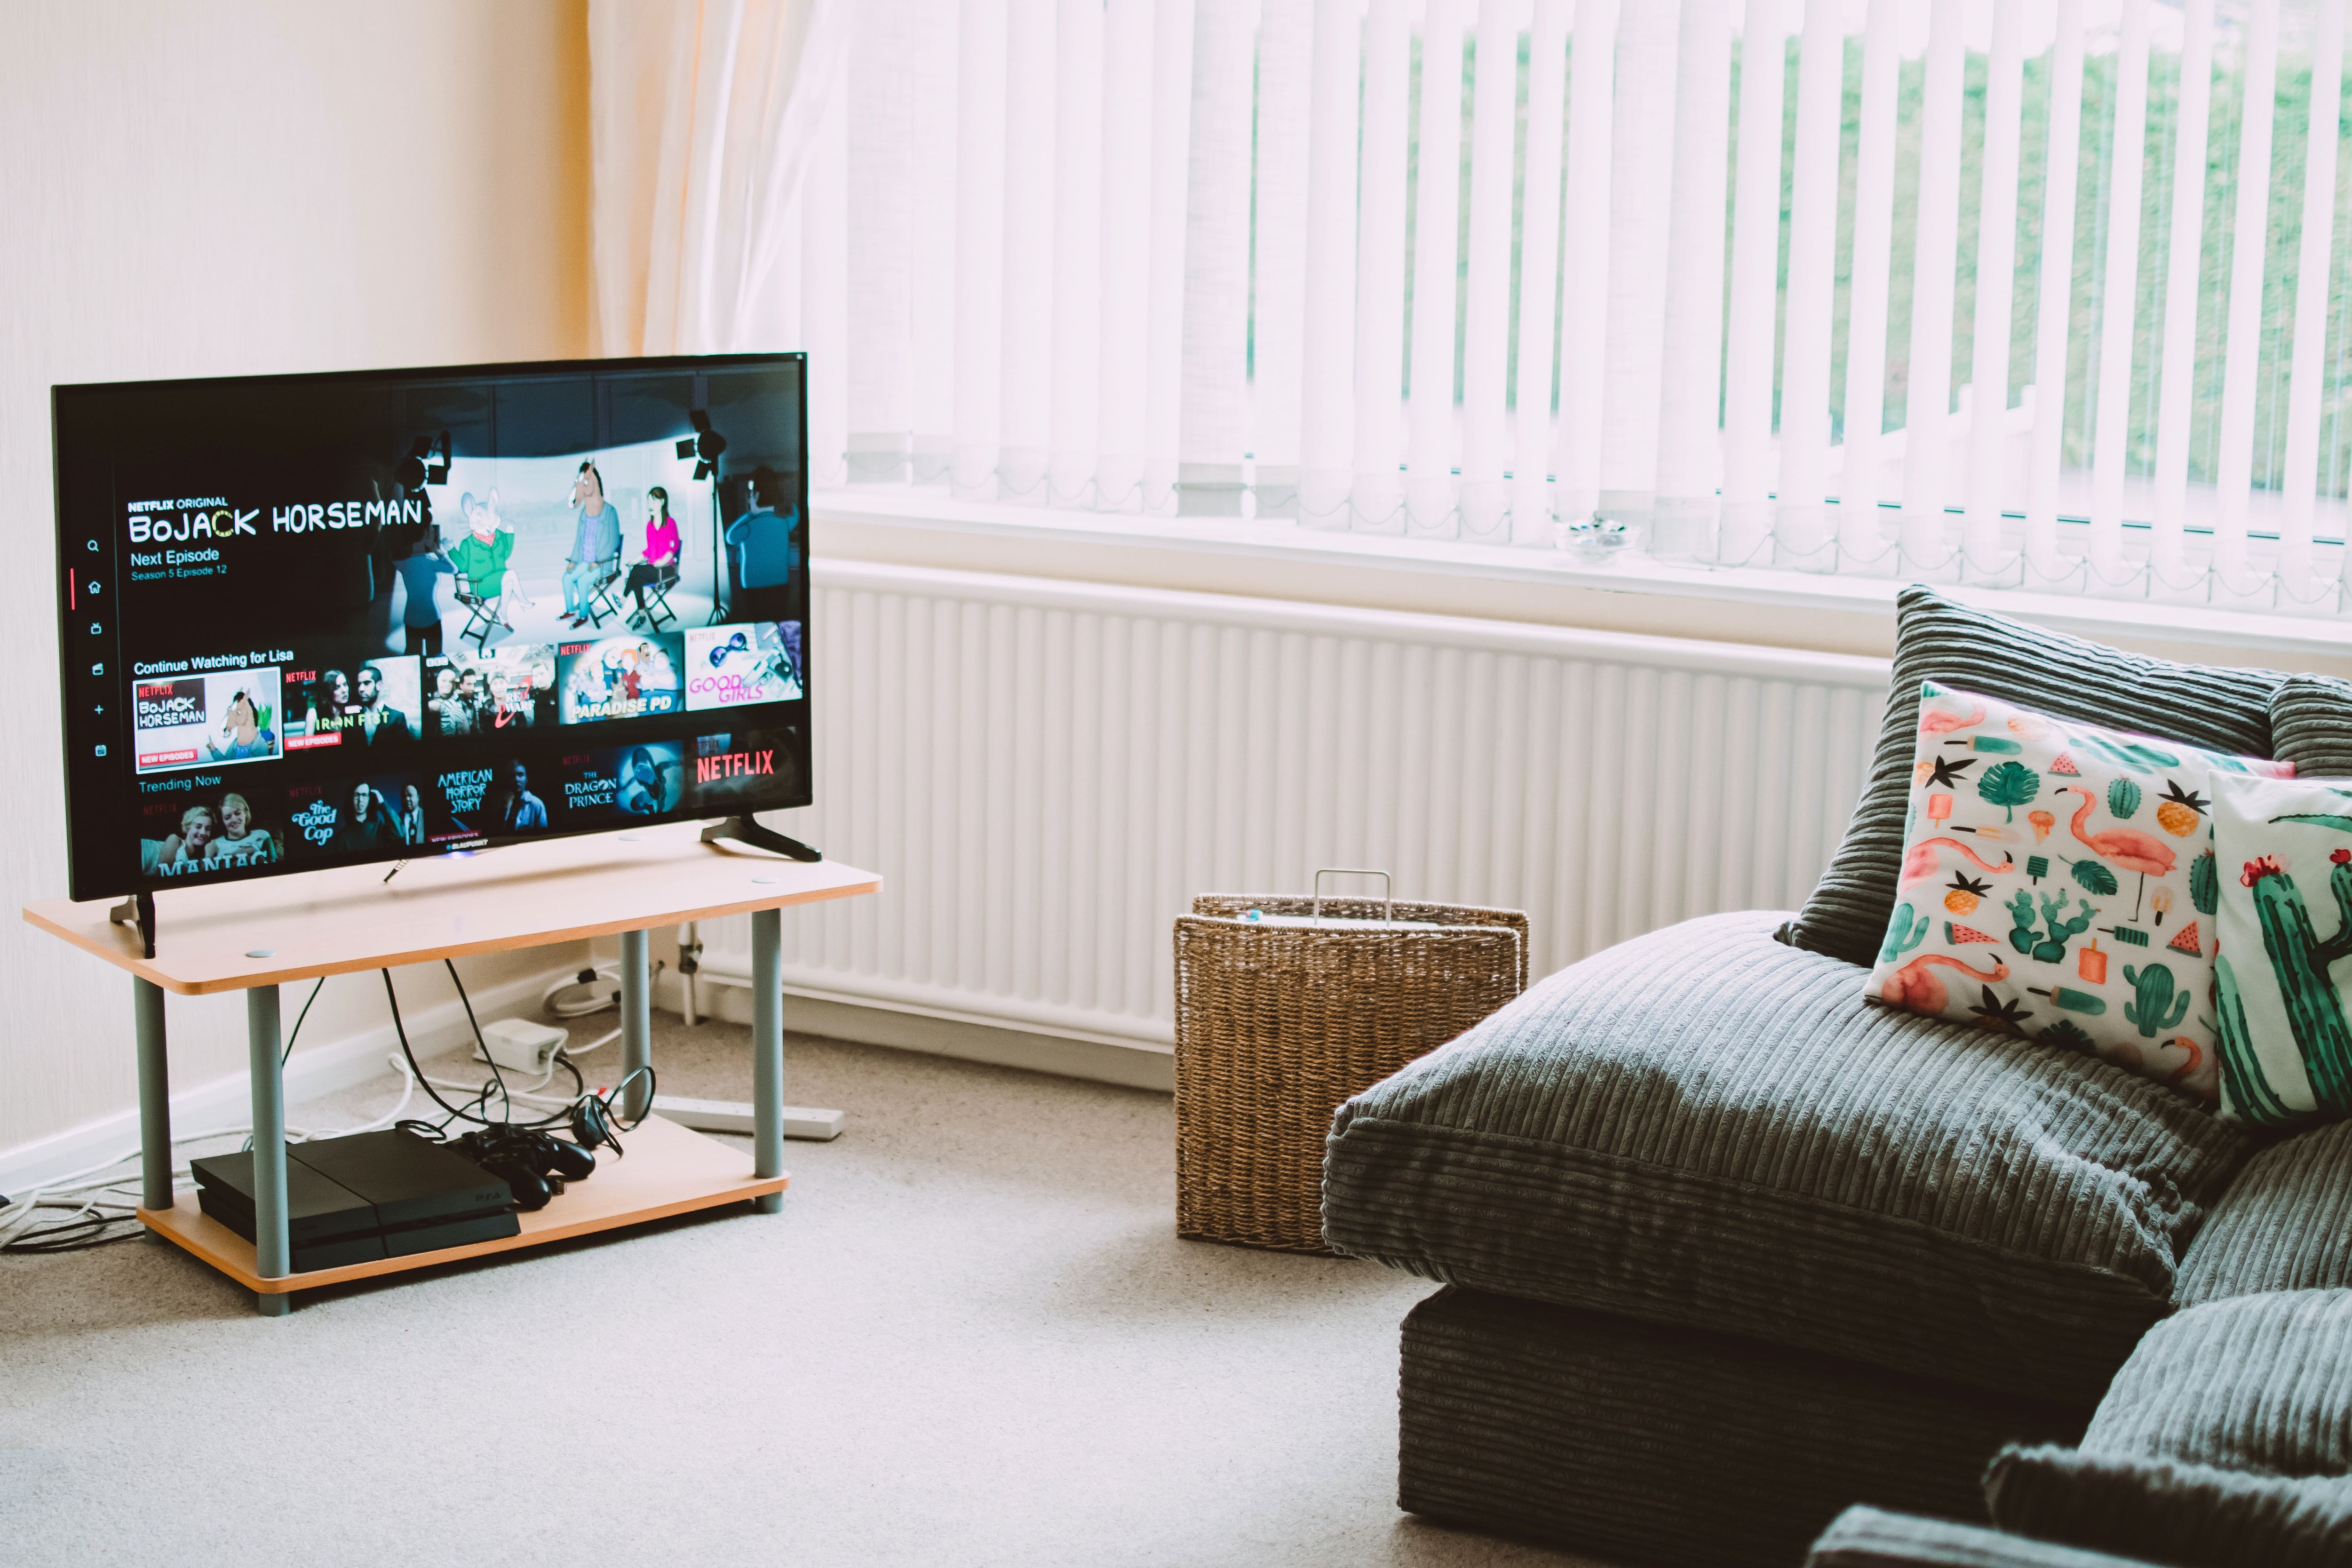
(2182, 1515)
(1937, 639)
(2311, 725)
(1641, 1445)
(1871, 1538)
(2225, 1439)
(1704, 1127)
(2255, 1382)
(2286, 1223)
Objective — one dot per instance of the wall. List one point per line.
(241, 186)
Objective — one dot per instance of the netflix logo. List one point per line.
(747, 770)
(733, 764)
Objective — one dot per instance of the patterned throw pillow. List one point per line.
(1957, 645)
(2058, 882)
(2282, 990)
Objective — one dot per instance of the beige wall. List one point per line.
(237, 186)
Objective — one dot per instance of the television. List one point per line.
(306, 621)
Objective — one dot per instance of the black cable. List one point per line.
(614, 1096)
(20, 1249)
(75, 1235)
(481, 1045)
(67, 1228)
(401, 1030)
(579, 1084)
(297, 1020)
(74, 1228)
(458, 1113)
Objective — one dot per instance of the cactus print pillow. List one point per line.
(2059, 882)
(2283, 983)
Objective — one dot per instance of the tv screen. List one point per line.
(312, 620)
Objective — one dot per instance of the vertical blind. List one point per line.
(2036, 293)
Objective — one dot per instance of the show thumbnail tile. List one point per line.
(510, 687)
(499, 800)
(375, 703)
(631, 676)
(621, 781)
(736, 666)
(341, 819)
(200, 825)
(205, 720)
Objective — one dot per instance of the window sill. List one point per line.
(921, 525)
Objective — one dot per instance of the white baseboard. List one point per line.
(1131, 1064)
(1131, 1067)
(227, 1101)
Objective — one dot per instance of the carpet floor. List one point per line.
(971, 1337)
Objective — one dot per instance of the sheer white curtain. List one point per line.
(703, 116)
(2009, 292)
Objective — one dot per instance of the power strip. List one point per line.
(735, 1116)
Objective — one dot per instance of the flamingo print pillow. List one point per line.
(2059, 882)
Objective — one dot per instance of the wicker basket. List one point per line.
(1275, 1026)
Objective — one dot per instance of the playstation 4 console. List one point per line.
(366, 1196)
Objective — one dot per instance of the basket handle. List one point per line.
(1387, 888)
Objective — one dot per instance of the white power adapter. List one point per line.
(519, 1045)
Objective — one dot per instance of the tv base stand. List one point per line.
(746, 830)
(138, 910)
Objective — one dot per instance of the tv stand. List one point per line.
(256, 936)
(745, 829)
(138, 910)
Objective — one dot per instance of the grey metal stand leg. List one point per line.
(637, 1022)
(271, 1253)
(768, 1052)
(154, 1097)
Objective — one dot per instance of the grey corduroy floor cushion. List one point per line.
(1706, 1127)
(2286, 1223)
(1872, 1538)
(2225, 1443)
(1671, 1447)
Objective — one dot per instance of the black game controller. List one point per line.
(536, 1164)
(531, 1191)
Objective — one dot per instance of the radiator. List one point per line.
(1045, 773)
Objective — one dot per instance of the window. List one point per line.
(1481, 272)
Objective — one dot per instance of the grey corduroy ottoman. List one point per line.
(1667, 1447)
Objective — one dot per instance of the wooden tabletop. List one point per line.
(273, 930)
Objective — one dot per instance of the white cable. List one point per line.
(597, 1044)
(473, 1091)
(582, 1008)
(522, 1094)
(375, 1124)
(18, 1216)
(554, 1059)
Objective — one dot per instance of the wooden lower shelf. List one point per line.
(669, 1170)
